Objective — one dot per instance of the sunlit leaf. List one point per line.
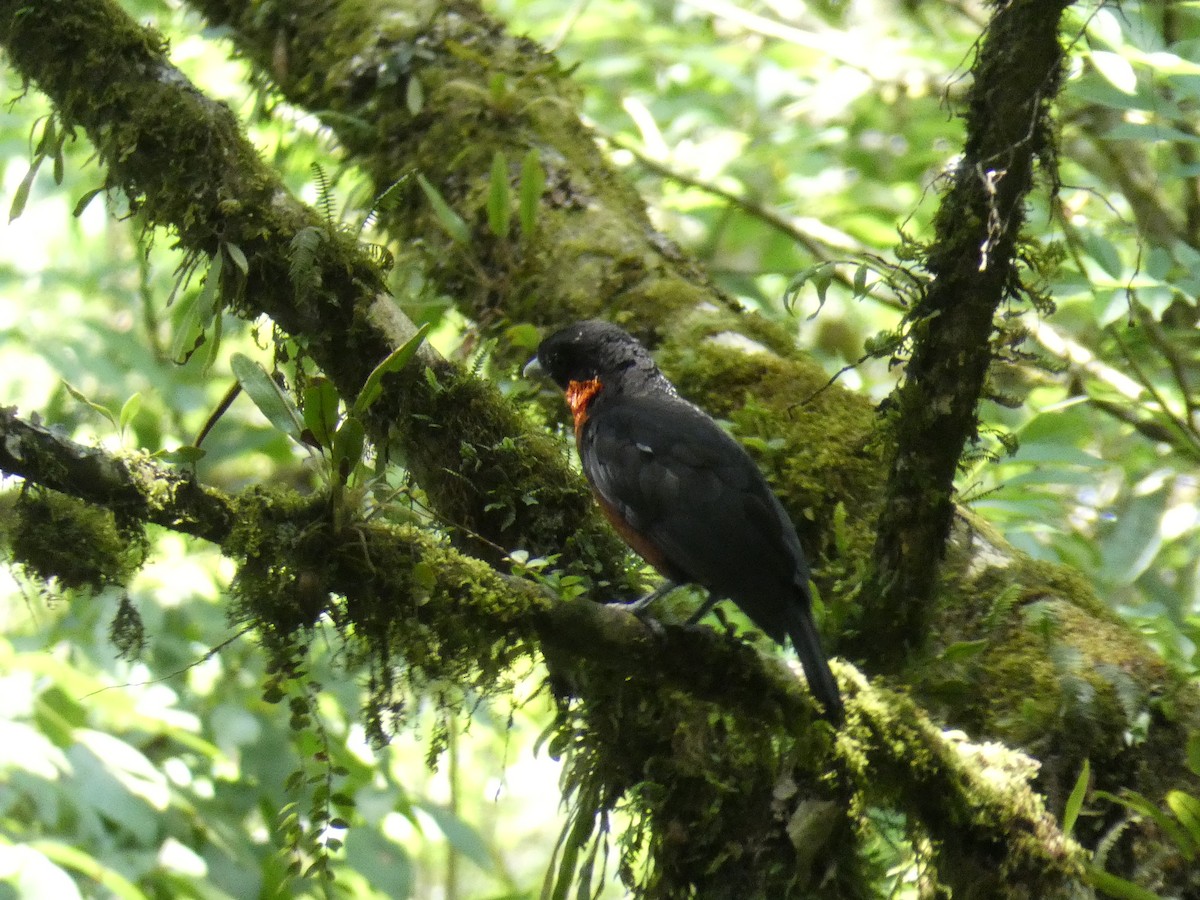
(1075, 800)
(395, 361)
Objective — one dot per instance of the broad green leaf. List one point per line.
(188, 333)
(451, 221)
(237, 257)
(321, 410)
(463, 837)
(1129, 548)
(1075, 800)
(1116, 70)
(395, 361)
(499, 197)
(196, 314)
(1187, 811)
(348, 444)
(268, 396)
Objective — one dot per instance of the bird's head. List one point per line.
(592, 350)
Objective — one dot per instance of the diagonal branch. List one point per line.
(183, 159)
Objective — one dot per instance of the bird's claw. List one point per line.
(638, 607)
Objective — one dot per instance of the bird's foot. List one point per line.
(639, 607)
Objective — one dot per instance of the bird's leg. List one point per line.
(703, 610)
(637, 607)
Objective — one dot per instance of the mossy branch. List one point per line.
(394, 588)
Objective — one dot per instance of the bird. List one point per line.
(683, 493)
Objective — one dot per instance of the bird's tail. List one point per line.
(803, 632)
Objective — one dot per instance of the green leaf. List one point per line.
(1075, 801)
(348, 444)
(321, 410)
(129, 409)
(860, 281)
(395, 361)
(1139, 804)
(961, 651)
(21, 195)
(237, 257)
(1116, 70)
(188, 333)
(451, 221)
(1116, 886)
(461, 835)
(183, 455)
(499, 197)
(93, 406)
(1187, 811)
(196, 313)
(85, 201)
(1193, 752)
(270, 399)
(109, 880)
(533, 182)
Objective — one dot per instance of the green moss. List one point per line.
(717, 801)
(281, 542)
(83, 547)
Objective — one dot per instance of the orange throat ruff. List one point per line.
(579, 396)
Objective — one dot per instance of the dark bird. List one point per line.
(682, 492)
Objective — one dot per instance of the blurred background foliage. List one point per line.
(796, 149)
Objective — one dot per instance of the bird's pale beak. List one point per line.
(533, 369)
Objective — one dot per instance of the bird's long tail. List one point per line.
(803, 632)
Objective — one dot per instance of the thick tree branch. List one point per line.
(132, 485)
(973, 264)
(974, 799)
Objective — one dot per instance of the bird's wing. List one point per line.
(676, 478)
